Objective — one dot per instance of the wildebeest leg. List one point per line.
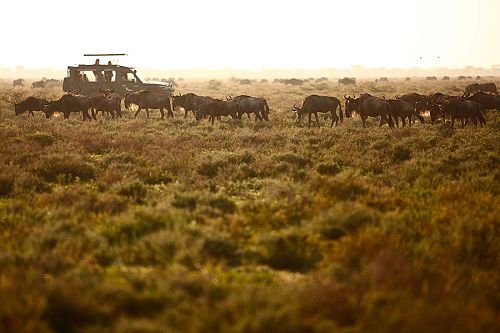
(403, 121)
(309, 122)
(250, 118)
(452, 122)
(333, 114)
(31, 113)
(316, 116)
(162, 114)
(213, 119)
(137, 112)
(396, 120)
(474, 121)
(257, 116)
(66, 115)
(383, 120)
(363, 120)
(147, 112)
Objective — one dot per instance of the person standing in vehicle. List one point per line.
(97, 73)
(108, 73)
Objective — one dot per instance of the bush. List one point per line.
(291, 250)
(64, 168)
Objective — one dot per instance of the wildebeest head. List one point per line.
(351, 104)
(50, 108)
(298, 111)
(17, 108)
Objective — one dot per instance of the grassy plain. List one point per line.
(139, 225)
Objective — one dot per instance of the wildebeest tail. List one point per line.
(341, 114)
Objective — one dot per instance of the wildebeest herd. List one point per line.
(408, 108)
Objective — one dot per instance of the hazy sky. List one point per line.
(253, 34)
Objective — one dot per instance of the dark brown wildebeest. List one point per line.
(408, 79)
(190, 102)
(446, 78)
(347, 80)
(431, 78)
(150, 100)
(217, 109)
(69, 103)
(383, 79)
(30, 104)
(38, 84)
(324, 104)
(369, 106)
(248, 104)
(402, 109)
(461, 77)
(489, 102)
(108, 101)
(18, 83)
(459, 108)
(412, 98)
(245, 82)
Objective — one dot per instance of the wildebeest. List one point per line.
(383, 79)
(38, 84)
(190, 102)
(263, 81)
(402, 110)
(146, 99)
(431, 78)
(446, 78)
(459, 108)
(322, 79)
(108, 101)
(369, 106)
(18, 83)
(248, 104)
(217, 109)
(412, 98)
(53, 83)
(347, 80)
(489, 102)
(408, 79)
(30, 104)
(484, 87)
(245, 82)
(324, 104)
(69, 103)
(461, 77)
(294, 82)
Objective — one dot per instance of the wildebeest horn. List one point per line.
(345, 97)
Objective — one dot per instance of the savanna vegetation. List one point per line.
(136, 225)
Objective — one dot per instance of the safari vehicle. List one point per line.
(91, 79)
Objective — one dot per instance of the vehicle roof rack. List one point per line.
(104, 54)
